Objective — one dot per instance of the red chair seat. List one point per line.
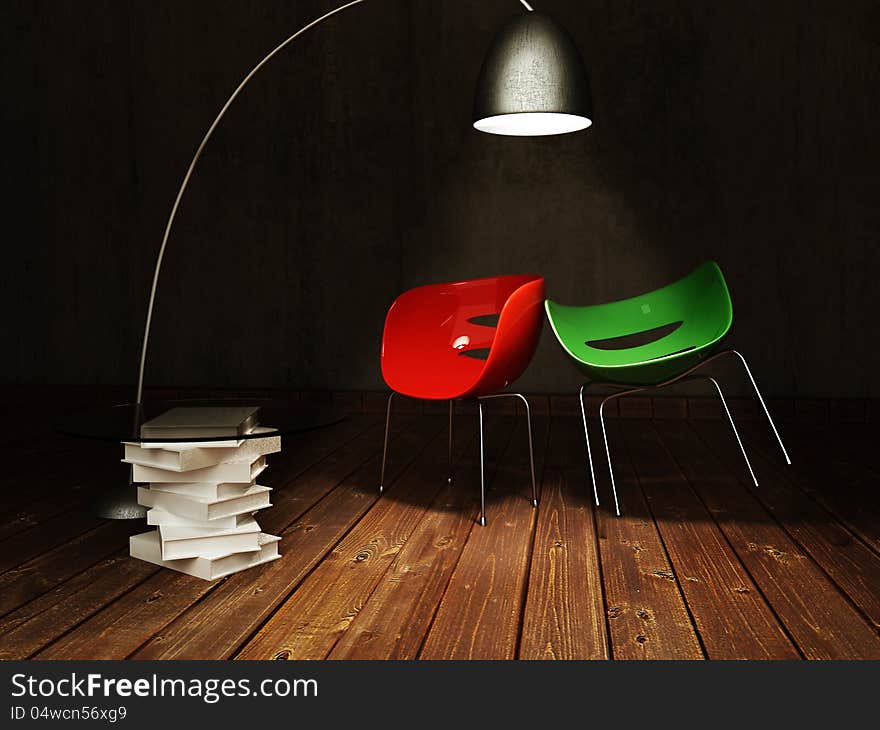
(442, 342)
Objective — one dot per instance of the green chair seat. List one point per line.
(680, 327)
(693, 314)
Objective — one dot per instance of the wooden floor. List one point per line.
(701, 564)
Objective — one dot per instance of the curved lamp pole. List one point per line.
(192, 166)
(532, 83)
(524, 109)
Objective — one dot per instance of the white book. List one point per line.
(159, 517)
(203, 490)
(194, 542)
(194, 456)
(147, 546)
(233, 471)
(201, 422)
(253, 499)
(181, 445)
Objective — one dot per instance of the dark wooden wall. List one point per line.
(743, 131)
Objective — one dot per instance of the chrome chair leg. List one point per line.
(531, 441)
(587, 439)
(449, 475)
(385, 446)
(531, 447)
(608, 452)
(763, 405)
(680, 378)
(482, 468)
(733, 426)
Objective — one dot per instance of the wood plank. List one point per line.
(636, 406)
(824, 467)
(26, 630)
(564, 614)
(848, 410)
(647, 615)
(811, 409)
(48, 570)
(395, 618)
(88, 582)
(820, 620)
(134, 619)
(77, 467)
(20, 548)
(216, 627)
(120, 627)
(301, 452)
(850, 564)
(52, 568)
(30, 457)
(853, 445)
(28, 516)
(58, 481)
(844, 443)
(310, 622)
(316, 467)
(733, 619)
(669, 407)
(480, 614)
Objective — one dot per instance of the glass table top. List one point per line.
(122, 422)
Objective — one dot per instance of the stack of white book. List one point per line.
(202, 496)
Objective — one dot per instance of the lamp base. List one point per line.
(120, 503)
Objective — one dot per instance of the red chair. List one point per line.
(463, 340)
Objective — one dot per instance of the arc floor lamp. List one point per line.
(533, 82)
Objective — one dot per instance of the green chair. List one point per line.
(651, 341)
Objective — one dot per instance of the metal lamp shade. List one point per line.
(533, 81)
